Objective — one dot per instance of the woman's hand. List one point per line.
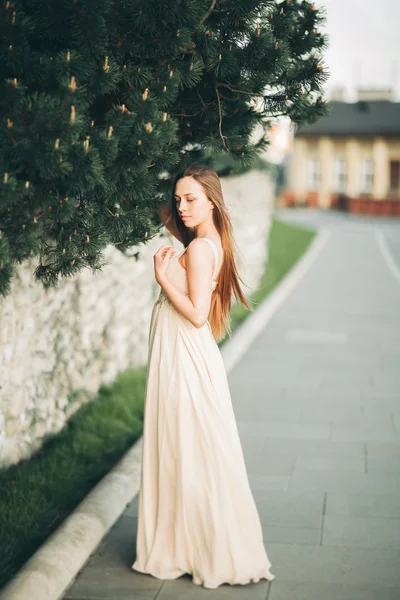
(161, 260)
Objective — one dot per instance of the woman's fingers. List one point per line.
(168, 250)
(164, 250)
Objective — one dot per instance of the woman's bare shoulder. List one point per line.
(196, 248)
(217, 243)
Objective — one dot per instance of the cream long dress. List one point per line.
(197, 514)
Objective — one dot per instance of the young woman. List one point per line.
(197, 514)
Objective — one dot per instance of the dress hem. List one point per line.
(178, 573)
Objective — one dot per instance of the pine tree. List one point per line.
(102, 102)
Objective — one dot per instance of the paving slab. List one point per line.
(306, 590)
(363, 505)
(109, 583)
(323, 463)
(285, 534)
(373, 482)
(335, 564)
(314, 447)
(390, 463)
(184, 588)
(364, 532)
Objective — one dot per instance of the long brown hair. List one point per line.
(228, 279)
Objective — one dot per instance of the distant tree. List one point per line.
(102, 102)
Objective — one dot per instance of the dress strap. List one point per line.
(215, 250)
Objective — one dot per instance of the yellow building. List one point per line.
(349, 159)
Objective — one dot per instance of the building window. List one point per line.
(367, 176)
(314, 174)
(340, 178)
(394, 178)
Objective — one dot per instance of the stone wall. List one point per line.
(58, 346)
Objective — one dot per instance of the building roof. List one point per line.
(376, 117)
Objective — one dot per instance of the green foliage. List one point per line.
(102, 103)
(38, 494)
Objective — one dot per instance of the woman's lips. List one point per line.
(184, 218)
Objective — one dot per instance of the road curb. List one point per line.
(52, 569)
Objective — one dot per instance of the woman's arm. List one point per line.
(199, 266)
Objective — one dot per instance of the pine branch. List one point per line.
(255, 94)
(208, 13)
(220, 120)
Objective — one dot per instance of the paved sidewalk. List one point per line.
(317, 400)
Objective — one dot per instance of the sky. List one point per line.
(364, 50)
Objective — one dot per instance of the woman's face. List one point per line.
(191, 203)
